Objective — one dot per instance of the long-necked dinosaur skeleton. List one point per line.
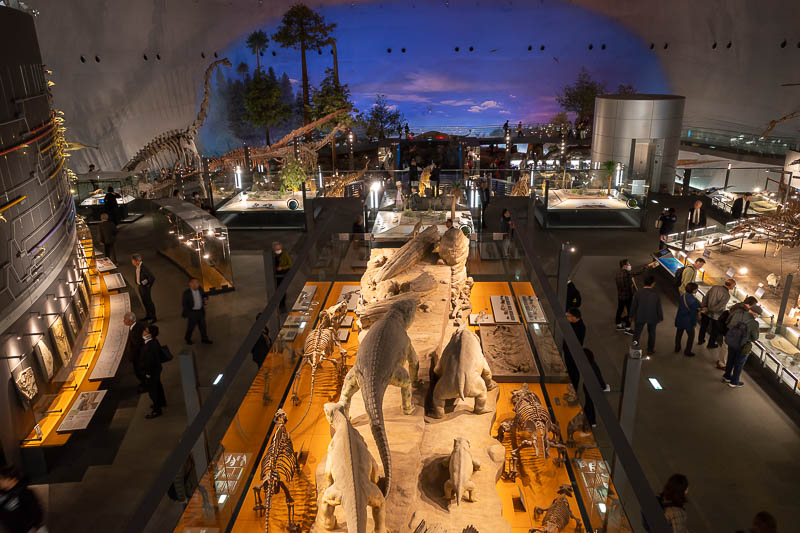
(176, 147)
(284, 148)
(784, 118)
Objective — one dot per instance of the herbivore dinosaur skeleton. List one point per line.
(530, 415)
(284, 148)
(277, 468)
(177, 146)
(557, 516)
(319, 347)
(782, 228)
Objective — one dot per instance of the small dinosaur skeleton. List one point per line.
(319, 347)
(558, 515)
(277, 468)
(177, 146)
(530, 415)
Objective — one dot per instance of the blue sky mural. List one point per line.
(500, 79)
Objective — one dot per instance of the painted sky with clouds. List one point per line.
(500, 79)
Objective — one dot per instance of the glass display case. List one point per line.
(195, 241)
(90, 189)
(591, 198)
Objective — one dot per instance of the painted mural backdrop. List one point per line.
(443, 64)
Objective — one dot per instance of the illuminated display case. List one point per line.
(90, 189)
(195, 241)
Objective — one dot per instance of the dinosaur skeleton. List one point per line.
(521, 188)
(336, 188)
(530, 415)
(277, 468)
(558, 515)
(318, 348)
(782, 228)
(284, 148)
(774, 123)
(177, 146)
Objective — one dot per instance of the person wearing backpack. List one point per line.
(687, 274)
(626, 288)
(711, 307)
(742, 331)
(686, 318)
(722, 325)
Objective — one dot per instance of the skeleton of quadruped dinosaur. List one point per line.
(530, 415)
(319, 347)
(521, 188)
(177, 146)
(284, 148)
(336, 188)
(277, 468)
(558, 515)
(782, 228)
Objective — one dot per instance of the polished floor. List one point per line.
(737, 447)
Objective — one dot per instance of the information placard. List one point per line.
(82, 411)
(116, 338)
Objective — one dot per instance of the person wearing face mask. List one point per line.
(151, 366)
(626, 288)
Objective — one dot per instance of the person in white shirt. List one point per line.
(194, 311)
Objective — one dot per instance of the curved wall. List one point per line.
(641, 131)
(122, 101)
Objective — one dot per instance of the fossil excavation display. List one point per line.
(352, 476)
(379, 362)
(507, 350)
(462, 373)
(278, 467)
(461, 466)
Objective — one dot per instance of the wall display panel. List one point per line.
(85, 292)
(80, 307)
(60, 341)
(72, 326)
(45, 357)
(25, 380)
(82, 411)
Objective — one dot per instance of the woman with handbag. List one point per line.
(151, 366)
(686, 318)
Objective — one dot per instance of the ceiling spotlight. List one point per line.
(743, 270)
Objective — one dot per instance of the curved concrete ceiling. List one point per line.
(119, 101)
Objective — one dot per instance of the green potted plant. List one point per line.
(609, 167)
(292, 175)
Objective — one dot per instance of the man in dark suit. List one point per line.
(145, 280)
(133, 348)
(108, 236)
(110, 204)
(741, 205)
(194, 311)
(697, 216)
(646, 311)
(151, 366)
